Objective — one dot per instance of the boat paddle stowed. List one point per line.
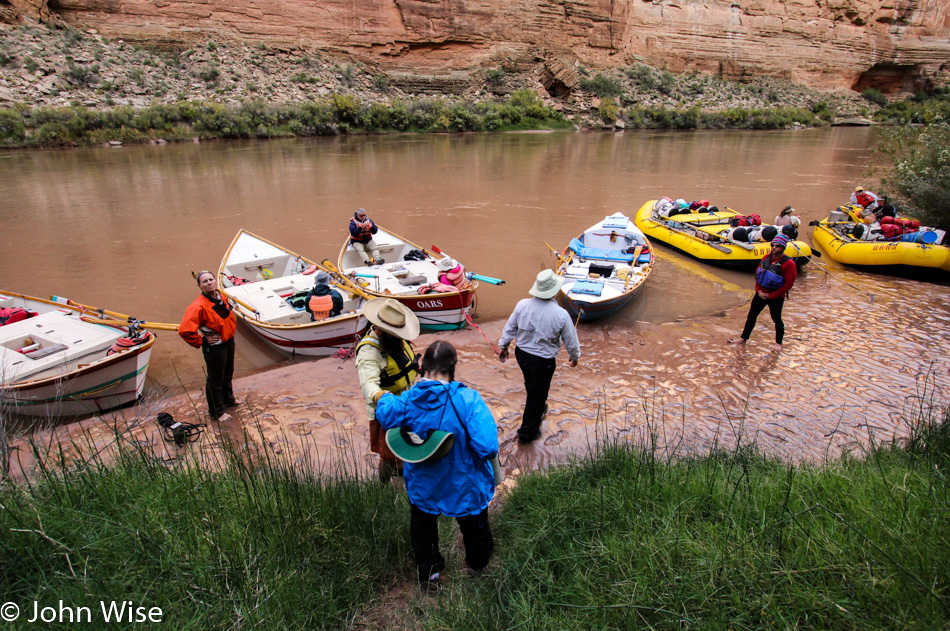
(485, 279)
(112, 318)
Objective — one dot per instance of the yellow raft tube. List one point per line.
(703, 236)
(833, 235)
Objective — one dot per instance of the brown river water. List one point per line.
(124, 228)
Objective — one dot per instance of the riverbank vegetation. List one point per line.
(625, 538)
(919, 179)
(64, 87)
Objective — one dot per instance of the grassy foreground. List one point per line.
(624, 539)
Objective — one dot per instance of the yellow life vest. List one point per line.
(400, 371)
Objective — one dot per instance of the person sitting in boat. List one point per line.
(886, 209)
(362, 229)
(452, 273)
(865, 199)
(788, 218)
(323, 301)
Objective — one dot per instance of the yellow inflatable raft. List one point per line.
(835, 236)
(705, 237)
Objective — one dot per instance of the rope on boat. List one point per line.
(470, 320)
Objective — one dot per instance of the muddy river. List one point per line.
(123, 228)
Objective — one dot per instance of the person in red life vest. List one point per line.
(865, 199)
(323, 301)
(362, 229)
(386, 362)
(452, 273)
(209, 324)
(773, 279)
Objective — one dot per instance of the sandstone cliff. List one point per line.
(892, 45)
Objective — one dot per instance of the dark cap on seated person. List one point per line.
(322, 278)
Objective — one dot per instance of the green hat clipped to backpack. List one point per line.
(410, 447)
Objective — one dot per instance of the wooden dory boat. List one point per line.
(704, 236)
(263, 279)
(604, 268)
(59, 362)
(835, 235)
(401, 280)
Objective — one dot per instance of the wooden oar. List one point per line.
(329, 267)
(560, 259)
(120, 319)
(158, 326)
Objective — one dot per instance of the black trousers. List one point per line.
(424, 535)
(538, 373)
(219, 362)
(775, 310)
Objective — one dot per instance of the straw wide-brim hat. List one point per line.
(409, 447)
(393, 317)
(546, 284)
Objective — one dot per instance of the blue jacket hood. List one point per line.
(460, 483)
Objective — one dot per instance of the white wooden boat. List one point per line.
(261, 277)
(402, 279)
(604, 268)
(60, 363)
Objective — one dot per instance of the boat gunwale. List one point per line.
(98, 364)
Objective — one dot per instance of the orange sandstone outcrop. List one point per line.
(891, 45)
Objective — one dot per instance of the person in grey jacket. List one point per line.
(538, 326)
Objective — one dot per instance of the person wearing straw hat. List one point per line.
(538, 326)
(447, 437)
(386, 362)
(209, 324)
(773, 279)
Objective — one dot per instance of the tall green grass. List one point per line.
(625, 538)
(269, 545)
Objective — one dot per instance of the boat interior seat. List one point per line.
(589, 287)
(66, 339)
(583, 251)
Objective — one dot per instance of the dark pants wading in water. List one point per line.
(219, 362)
(538, 373)
(775, 310)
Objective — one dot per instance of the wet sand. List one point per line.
(863, 355)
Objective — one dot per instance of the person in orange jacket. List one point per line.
(209, 324)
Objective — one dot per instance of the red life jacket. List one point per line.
(320, 306)
(9, 315)
(864, 199)
(365, 233)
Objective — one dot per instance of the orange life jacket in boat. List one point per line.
(365, 231)
(320, 306)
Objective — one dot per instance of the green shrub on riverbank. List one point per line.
(624, 539)
(736, 118)
(337, 113)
